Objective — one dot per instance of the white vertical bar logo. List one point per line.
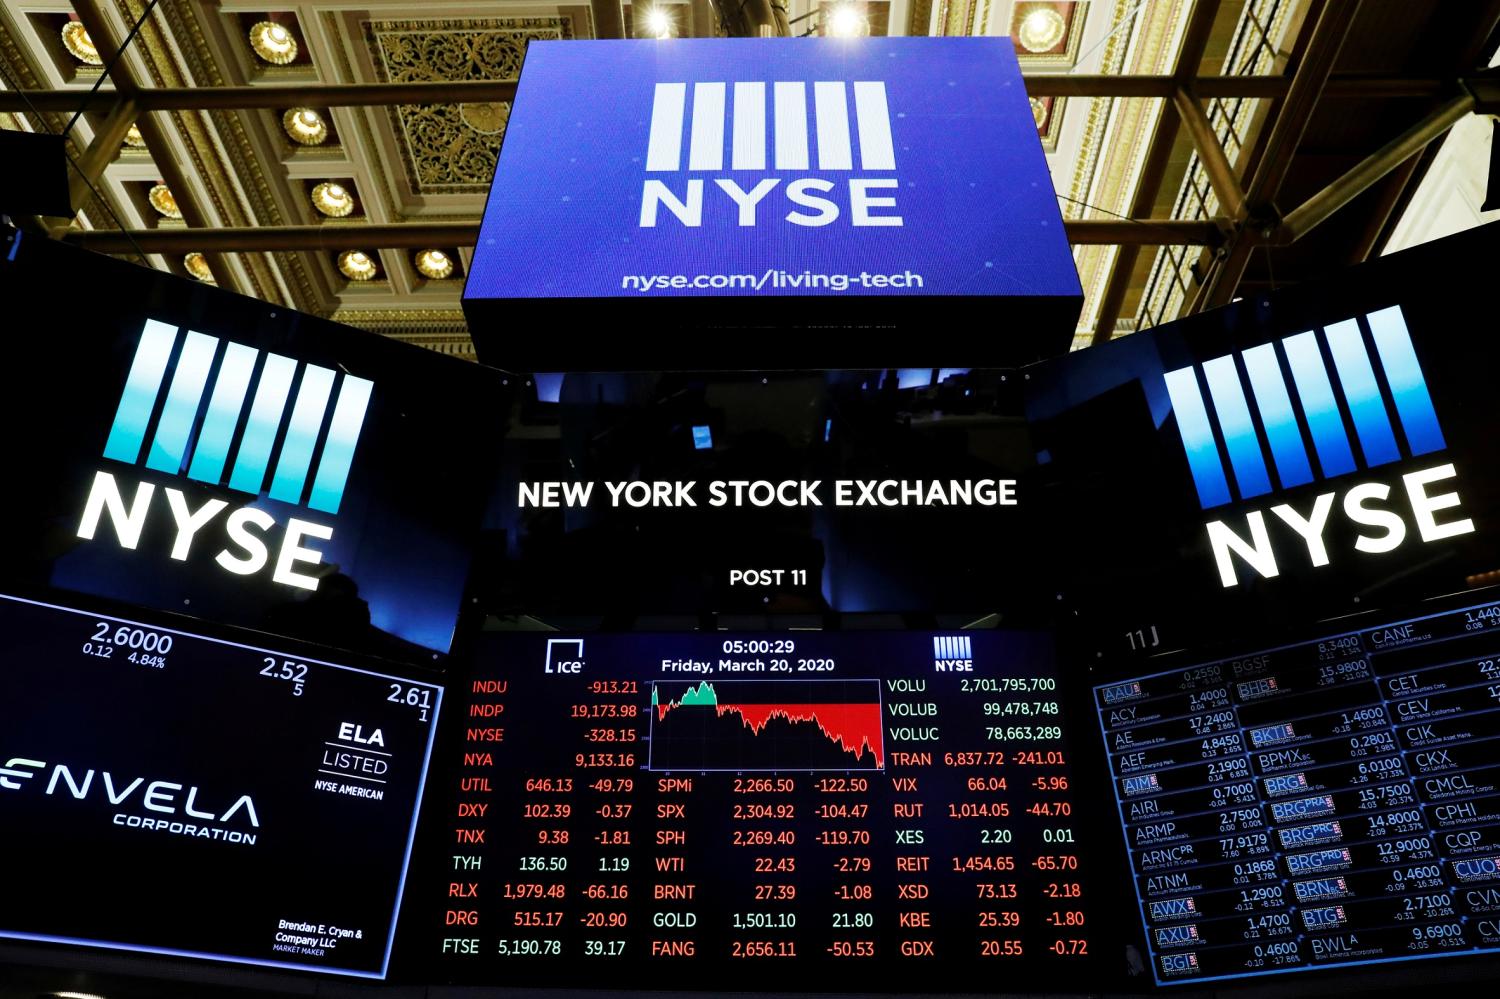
(707, 149)
(790, 140)
(834, 149)
(665, 148)
(876, 150)
(791, 126)
(749, 126)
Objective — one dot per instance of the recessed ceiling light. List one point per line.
(1038, 110)
(846, 21)
(273, 43)
(305, 126)
(434, 264)
(357, 265)
(1041, 29)
(197, 265)
(659, 23)
(76, 995)
(77, 41)
(164, 201)
(333, 199)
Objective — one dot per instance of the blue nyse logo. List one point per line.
(1320, 409)
(1371, 386)
(953, 653)
(172, 445)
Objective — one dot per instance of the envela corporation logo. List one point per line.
(1321, 416)
(759, 127)
(242, 433)
(1371, 388)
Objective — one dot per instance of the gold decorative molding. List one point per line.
(220, 151)
(1117, 134)
(451, 148)
(443, 330)
(919, 21)
(1073, 14)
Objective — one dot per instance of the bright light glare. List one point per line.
(845, 21)
(658, 23)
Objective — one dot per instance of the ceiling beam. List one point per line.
(333, 237)
(1144, 232)
(1288, 124)
(127, 87)
(103, 149)
(609, 18)
(275, 98)
(1195, 40)
(1221, 175)
(278, 97)
(1209, 87)
(1367, 171)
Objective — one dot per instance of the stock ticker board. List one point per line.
(182, 795)
(1328, 803)
(839, 811)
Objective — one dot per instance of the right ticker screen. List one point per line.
(1276, 529)
(1330, 802)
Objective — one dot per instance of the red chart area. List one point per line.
(741, 725)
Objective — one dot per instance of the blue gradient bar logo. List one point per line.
(952, 653)
(189, 436)
(1315, 406)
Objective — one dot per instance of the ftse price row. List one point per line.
(823, 810)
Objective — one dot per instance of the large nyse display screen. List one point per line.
(1296, 456)
(200, 452)
(184, 795)
(798, 810)
(756, 170)
(1331, 802)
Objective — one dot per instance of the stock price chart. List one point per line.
(183, 795)
(1328, 803)
(799, 810)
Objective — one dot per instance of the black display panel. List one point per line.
(176, 794)
(1327, 803)
(199, 452)
(787, 491)
(792, 811)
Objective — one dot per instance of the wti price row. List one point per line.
(1333, 802)
(849, 809)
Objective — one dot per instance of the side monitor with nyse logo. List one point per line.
(191, 451)
(1299, 455)
(843, 185)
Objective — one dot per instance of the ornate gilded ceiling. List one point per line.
(451, 148)
(433, 163)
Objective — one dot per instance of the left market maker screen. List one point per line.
(184, 795)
